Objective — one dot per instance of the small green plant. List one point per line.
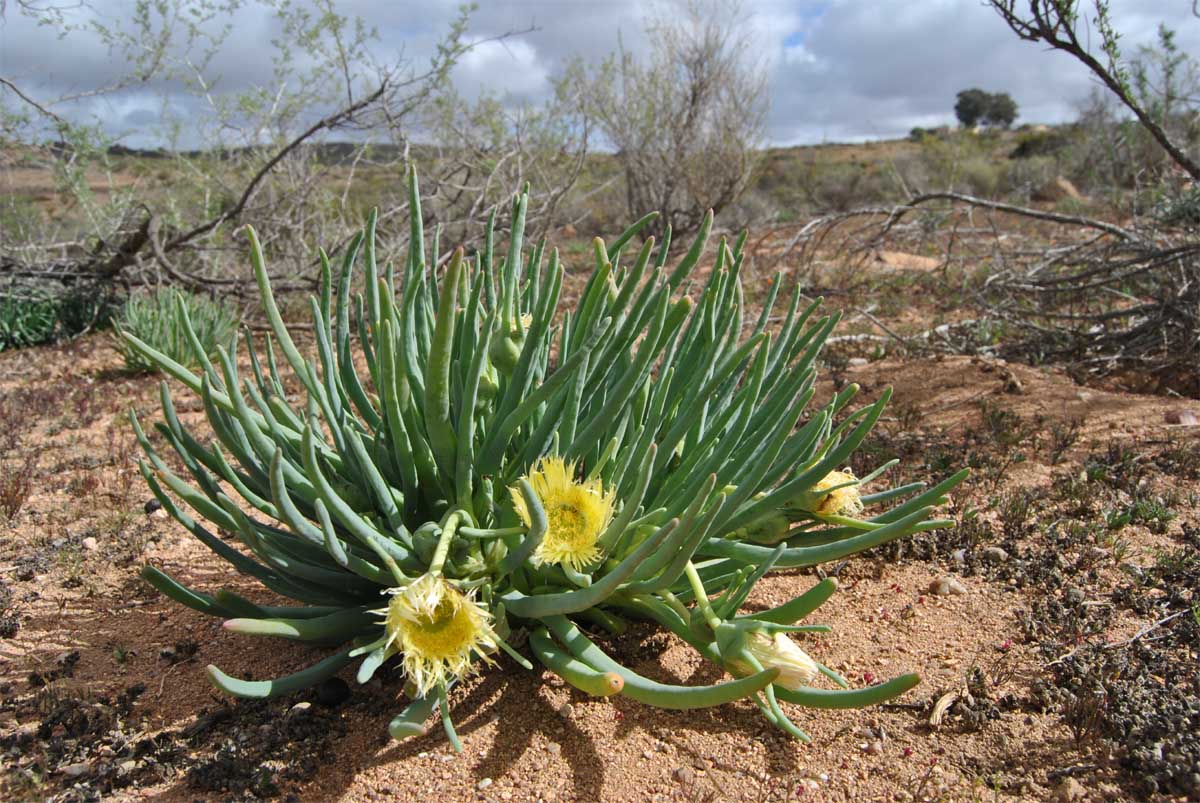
(27, 321)
(35, 316)
(491, 465)
(167, 320)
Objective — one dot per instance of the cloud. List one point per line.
(505, 68)
(837, 69)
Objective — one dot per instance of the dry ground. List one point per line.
(1077, 534)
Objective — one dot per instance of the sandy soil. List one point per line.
(104, 696)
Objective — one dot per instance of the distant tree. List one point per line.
(1001, 110)
(975, 107)
(971, 107)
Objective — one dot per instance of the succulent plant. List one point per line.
(483, 467)
(157, 319)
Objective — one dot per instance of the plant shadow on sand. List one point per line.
(117, 686)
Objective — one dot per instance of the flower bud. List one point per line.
(796, 668)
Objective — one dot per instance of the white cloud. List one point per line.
(510, 67)
(839, 69)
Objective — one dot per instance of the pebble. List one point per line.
(994, 554)
(300, 708)
(90, 544)
(25, 731)
(684, 775)
(875, 748)
(76, 770)
(945, 586)
(1182, 417)
(126, 767)
(152, 506)
(485, 783)
(1071, 790)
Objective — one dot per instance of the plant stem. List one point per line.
(701, 596)
(443, 544)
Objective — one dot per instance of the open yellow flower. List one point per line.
(576, 513)
(436, 628)
(844, 502)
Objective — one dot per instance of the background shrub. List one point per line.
(32, 316)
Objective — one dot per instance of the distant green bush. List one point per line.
(157, 319)
(32, 316)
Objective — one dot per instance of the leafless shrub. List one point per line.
(687, 123)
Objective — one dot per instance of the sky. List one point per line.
(837, 70)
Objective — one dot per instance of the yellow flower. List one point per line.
(844, 502)
(796, 668)
(576, 513)
(436, 628)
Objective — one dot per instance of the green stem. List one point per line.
(701, 596)
(675, 604)
(443, 544)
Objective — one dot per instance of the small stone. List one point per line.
(959, 556)
(1071, 790)
(994, 554)
(25, 731)
(126, 767)
(333, 692)
(946, 586)
(159, 514)
(566, 710)
(152, 506)
(1185, 418)
(485, 783)
(875, 748)
(76, 770)
(90, 544)
(684, 775)
(858, 362)
(1075, 596)
(300, 708)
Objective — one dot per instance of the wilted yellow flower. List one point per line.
(841, 501)
(576, 513)
(436, 627)
(796, 669)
